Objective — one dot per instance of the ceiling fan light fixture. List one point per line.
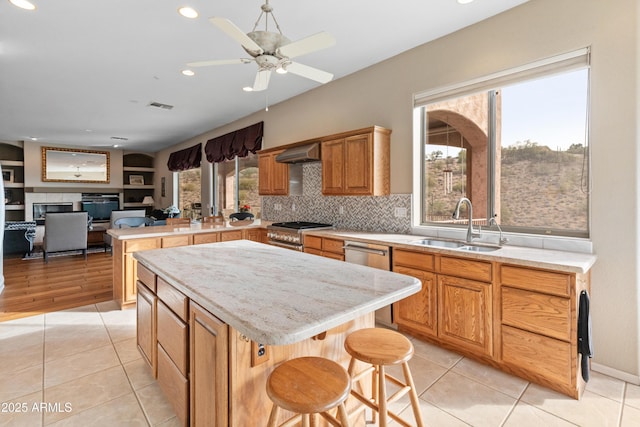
(188, 12)
(23, 4)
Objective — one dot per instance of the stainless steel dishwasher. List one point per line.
(376, 256)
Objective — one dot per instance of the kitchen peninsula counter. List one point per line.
(126, 241)
(272, 295)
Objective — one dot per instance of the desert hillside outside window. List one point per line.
(515, 144)
(189, 188)
(235, 184)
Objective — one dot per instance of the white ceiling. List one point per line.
(79, 72)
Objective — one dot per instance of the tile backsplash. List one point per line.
(363, 213)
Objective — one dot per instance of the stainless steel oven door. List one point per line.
(292, 246)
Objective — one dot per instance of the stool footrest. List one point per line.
(373, 406)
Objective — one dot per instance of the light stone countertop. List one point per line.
(272, 295)
(194, 228)
(562, 261)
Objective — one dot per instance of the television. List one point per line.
(100, 210)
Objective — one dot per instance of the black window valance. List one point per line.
(235, 144)
(186, 159)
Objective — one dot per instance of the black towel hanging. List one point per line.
(585, 347)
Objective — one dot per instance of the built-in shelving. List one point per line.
(12, 162)
(136, 167)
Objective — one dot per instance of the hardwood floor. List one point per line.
(33, 287)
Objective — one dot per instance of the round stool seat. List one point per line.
(379, 346)
(308, 385)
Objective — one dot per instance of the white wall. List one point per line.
(382, 95)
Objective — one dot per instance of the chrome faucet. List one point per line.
(456, 214)
(492, 221)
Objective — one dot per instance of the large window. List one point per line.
(517, 148)
(236, 185)
(189, 193)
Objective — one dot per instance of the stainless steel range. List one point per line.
(289, 234)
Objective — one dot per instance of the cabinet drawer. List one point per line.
(175, 241)
(333, 245)
(140, 245)
(314, 242)
(146, 328)
(418, 260)
(476, 270)
(174, 299)
(544, 357)
(541, 313)
(174, 385)
(313, 251)
(226, 236)
(199, 239)
(147, 277)
(333, 256)
(173, 336)
(536, 280)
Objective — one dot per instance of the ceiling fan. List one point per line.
(272, 50)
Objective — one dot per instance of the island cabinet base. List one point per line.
(222, 381)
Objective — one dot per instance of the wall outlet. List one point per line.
(277, 207)
(400, 212)
(341, 210)
(259, 353)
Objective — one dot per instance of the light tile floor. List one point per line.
(81, 367)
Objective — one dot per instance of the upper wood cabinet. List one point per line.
(273, 176)
(357, 163)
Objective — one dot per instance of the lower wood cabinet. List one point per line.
(465, 314)
(520, 319)
(208, 345)
(146, 326)
(324, 246)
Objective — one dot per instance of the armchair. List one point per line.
(65, 231)
(115, 215)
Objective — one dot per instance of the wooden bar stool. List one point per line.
(380, 347)
(309, 386)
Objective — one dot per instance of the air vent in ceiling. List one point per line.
(160, 105)
(120, 138)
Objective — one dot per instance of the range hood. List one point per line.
(299, 154)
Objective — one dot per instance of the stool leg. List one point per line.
(305, 420)
(375, 379)
(382, 396)
(273, 417)
(412, 394)
(343, 416)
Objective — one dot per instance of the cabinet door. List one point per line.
(333, 167)
(209, 347)
(358, 176)
(226, 236)
(176, 241)
(273, 176)
(418, 311)
(146, 326)
(465, 313)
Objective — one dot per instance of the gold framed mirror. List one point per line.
(75, 165)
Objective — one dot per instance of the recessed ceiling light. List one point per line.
(188, 73)
(465, 1)
(247, 89)
(33, 138)
(23, 4)
(188, 12)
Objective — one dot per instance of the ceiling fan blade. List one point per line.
(237, 34)
(219, 62)
(306, 45)
(309, 72)
(262, 80)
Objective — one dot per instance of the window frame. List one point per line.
(571, 61)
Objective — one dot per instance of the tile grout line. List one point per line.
(135, 392)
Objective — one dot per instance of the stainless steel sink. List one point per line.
(439, 243)
(452, 244)
(476, 248)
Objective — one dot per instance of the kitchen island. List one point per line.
(214, 319)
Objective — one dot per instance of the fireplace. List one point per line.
(40, 209)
